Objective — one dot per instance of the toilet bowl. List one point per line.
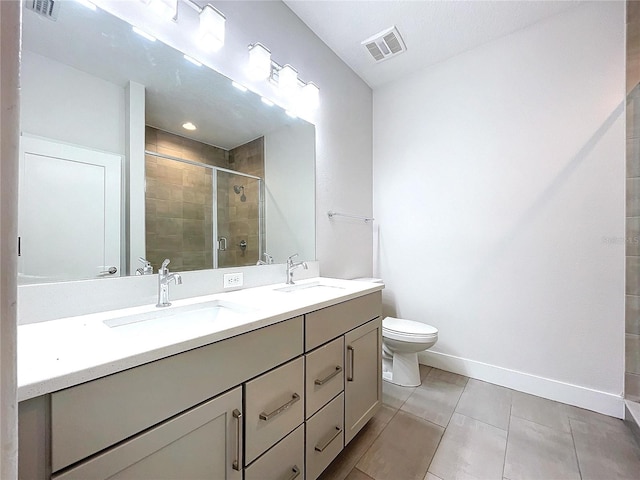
(402, 340)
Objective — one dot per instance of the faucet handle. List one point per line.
(164, 269)
(290, 259)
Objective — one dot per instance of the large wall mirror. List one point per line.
(109, 173)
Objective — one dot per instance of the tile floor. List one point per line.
(453, 427)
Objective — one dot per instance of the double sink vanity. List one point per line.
(269, 382)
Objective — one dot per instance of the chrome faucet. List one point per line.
(164, 278)
(268, 259)
(291, 266)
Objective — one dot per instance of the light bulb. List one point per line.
(259, 62)
(211, 28)
(164, 8)
(288, 79)
(310, 95)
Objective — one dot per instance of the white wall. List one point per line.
(9, 44)
(498, 178)
(63, 103)
(289, 197)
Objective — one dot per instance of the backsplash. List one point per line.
(43, 302)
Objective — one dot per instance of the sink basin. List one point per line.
(187, 315)
(307, 287)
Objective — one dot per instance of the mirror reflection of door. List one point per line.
(69, 212)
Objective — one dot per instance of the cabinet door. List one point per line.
(285, 461)
(205, 442)
(363, 376)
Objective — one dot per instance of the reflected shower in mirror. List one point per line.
(90, 88)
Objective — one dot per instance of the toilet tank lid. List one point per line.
(401, 325)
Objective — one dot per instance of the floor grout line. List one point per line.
(506, 443)
(575, 450)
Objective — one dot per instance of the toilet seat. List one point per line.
(408, 330)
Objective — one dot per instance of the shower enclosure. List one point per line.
(201, 216)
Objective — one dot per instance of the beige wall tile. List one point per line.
(632, 314)
(632, 272)
(632, 353)
(632, 387)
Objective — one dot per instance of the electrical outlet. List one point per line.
(232, 280)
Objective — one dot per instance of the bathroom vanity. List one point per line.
(272, 392)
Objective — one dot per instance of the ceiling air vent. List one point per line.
(385, 44)
(46, 8)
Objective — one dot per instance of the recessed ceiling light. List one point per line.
(189, 126)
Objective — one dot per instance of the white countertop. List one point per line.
(61, 353)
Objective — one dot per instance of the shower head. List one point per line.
(238, 189)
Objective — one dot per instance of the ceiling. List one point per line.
(432, 30)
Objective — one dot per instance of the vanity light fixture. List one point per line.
(164, 8)
(88, 4)
(259, 61)
(212, 23)
(288, 79)
(266, 101)
(242, 88)
(189, 126)
(310, 95)
(192, 60)
(144, 34)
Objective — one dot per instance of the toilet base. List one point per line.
(402, 369)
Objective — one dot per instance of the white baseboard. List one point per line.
(583, 397)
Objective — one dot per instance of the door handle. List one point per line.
(222, 243)
(350, 360)
(110, 271)
(237, 414)
(322, 381)
(321, 448)
(268, 416)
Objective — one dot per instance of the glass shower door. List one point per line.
(239, 226)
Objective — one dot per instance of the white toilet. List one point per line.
(402, 340)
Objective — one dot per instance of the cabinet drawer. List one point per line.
(200, 443)
(325, 375)
(285, 461)
(88, 418)
(325, 437)
(331, 322)
(274, 407)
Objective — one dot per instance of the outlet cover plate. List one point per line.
(232, 280)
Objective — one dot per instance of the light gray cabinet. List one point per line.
(196, 414)
(204, 442)
(363, 377)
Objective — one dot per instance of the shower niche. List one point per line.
(204, 206)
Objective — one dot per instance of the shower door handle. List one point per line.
(222, 243)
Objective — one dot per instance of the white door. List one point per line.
(68, 212)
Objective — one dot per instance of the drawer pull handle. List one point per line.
(320, 448)
(324, 380)
(295, 473)
(268, 416)
(350, 356)
(238, 416)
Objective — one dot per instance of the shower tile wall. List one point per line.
(239, 220)
(632, 313)
(179, 199)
